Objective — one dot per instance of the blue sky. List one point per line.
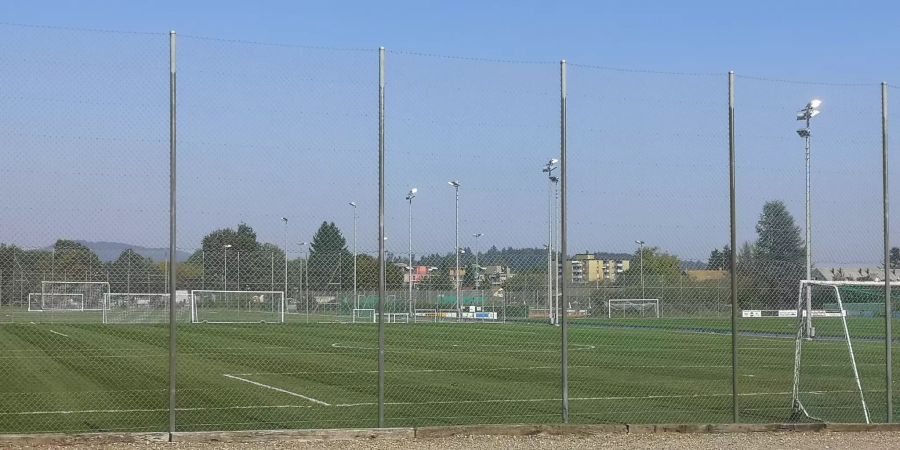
(647, 148)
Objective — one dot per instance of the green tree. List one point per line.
(895, 257)
(778, 238)
(776, 262)
(719, 259)
(659, 268)
(330, 263)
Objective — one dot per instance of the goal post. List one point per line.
(823, 302)
(632, 308)
(39, 302)
(119, 307)
(364, 315)
(92, 293)
(211, 306)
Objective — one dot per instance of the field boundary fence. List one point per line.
(302, 323)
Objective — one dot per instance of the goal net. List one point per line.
(363, 315)
(209, 306)
(136, 308)
(66, 295)
(55, 302)
(632, 308)
(827, 383)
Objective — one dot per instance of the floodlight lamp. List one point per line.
(552, 162)
(639, 242)
(454, 183)
(478, 235)
(554, 179)
(284, 219)
(803, 132)
(814, 103)
(353, 204)
(814, 113)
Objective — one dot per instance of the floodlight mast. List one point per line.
(806, 114)
(551, 165)
(355, 296)
(409, 198)
(455, 185)
(641, 251)
(477, 267)
(285, 220)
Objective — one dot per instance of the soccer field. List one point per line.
(68, 377)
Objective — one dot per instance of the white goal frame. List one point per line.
(358, 318)
(47, 288)
(108, 304)
(195, 319)
(43, 296)
(804, 325)
(612, 301)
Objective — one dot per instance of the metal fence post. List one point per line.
(733, 256)
(172, 235)
(381, 268)
(562, 303)
(888, 304)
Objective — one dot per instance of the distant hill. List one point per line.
(109, 251)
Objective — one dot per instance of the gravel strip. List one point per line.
(793, 440)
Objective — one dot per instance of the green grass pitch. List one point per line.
(65, 376)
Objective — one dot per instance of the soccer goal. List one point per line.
(66, 295)
(38, 302)
(208, 306)
(136, 308)
(821, 365)
(632, 307)
(363, 315)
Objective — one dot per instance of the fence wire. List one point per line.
(277, 289)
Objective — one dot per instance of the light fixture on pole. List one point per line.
(641, 251)
(355, 295)
(409, 198)
(806, 114)
(455, 185)
(548, 169)
(477, 267)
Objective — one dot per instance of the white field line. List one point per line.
(575, 347)
(555, 367)
(616, 398)
(57, 332)
(449, 402)
(284, 391)
(118, 411)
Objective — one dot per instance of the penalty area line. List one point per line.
(57, 332)
(277, 389)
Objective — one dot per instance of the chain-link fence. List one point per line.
(278, 300)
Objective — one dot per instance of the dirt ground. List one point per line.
(791, 440)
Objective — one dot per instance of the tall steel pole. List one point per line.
(355, 295)
(556, 255)
(733, 256)
(173, 341)
(641, 251)
(551, 306)
(888, 303)
(477, 267)
(381, 268)
(561, 303)
(809, 327)
(458, 300)
(409, 198)
(285, 263)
